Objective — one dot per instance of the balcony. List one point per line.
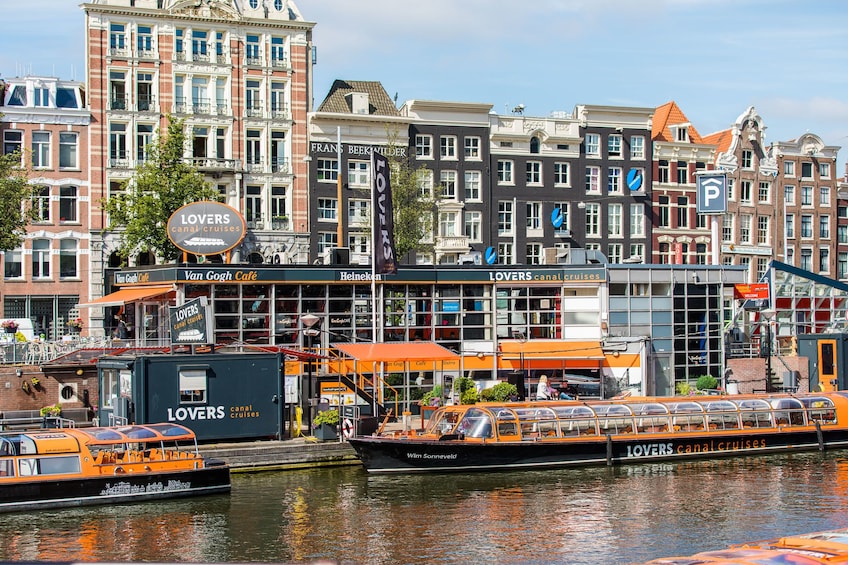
(255, 165)
(451, 243)
(280, 223)
(253, 61)
(119, 52)
(280, 112)
(146, 104)
(280, 63)
(201, 107)
(254, 110)
(149, 54)
(119, 160)
(215, 165)
(118, 103)
(180, 106)
(280, 166)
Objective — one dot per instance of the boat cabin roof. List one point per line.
(104, 436)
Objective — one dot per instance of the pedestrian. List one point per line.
(542, 392)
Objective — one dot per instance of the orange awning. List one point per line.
(397, 351)
(551, 349)
(121, 297)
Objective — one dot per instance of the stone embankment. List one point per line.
(299, 453)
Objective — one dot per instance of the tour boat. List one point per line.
(61, 467)
(830, 546)
(545, 434)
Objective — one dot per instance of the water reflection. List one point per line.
(594, 515)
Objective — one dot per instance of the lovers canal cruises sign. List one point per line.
(206, 228)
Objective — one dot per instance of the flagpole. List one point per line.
(340, 231)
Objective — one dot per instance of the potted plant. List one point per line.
(326, 424)
(9, 326)
(48, 415)
(280, 222)
(75, 325)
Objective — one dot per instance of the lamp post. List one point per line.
(308, 321)
(765, 351)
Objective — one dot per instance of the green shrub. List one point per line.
(706, 382)
(501, 392)
(683, 388)
(329, 417)
(428, 397)
(469, 396)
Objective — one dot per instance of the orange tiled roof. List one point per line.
(721, 139)
(667, 115)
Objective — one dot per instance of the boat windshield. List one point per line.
(476, 423)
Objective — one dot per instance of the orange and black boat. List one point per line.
(830, 546)
(50, 468)
(533, 435)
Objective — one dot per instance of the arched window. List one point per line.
(535, 144)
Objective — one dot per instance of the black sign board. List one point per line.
(190, 323)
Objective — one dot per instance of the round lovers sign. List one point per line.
(206, 228)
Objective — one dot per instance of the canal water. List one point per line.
(598, 515)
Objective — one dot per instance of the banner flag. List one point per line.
(381, 209)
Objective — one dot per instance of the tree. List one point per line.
(413, 211)
(16, 209)
(160, 186)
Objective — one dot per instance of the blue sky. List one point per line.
(715, 58)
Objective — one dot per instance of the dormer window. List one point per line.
(681, 133)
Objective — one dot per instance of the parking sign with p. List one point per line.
(712, 193)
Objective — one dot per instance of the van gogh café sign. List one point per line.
(304, 274)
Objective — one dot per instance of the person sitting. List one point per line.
(542, 392)
(563, 395)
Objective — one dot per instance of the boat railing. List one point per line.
(533, 421)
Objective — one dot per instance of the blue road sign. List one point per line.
(634, 179)
(712, 193)
(491, 255)
(557, 218)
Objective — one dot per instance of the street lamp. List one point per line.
(765, 350)
(308, 321)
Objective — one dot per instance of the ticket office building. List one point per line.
(677, 312)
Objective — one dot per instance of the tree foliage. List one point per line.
(160, 186)
(16, 210)
(413, 212)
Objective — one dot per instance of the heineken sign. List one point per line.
(190, 323)
(206, 228)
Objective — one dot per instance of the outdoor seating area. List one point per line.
(40, 351)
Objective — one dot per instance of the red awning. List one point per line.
(397, 351)
(121, 297)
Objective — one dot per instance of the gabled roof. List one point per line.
(670, 114)
(379, 102)
(721, 139)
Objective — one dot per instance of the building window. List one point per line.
(118, 145)
(193, 385)
(424, 146)
(614, 145)
(41, 149)
(747, 159)
(637, 252)
(144, 137)
(13, 264)
(701, 253)
(637, 147)
(447, 147)
(42, 97)
(615, 252)
(663, 172)
(789, 195)
(824, 170)
(637, 220)
(534, 173)
(592, 143)
(806, 170)
(472, 185)
(727, 228)
(842, 266)
(448, 224)
(13, 141)
(682, 172)
(806, 226)
(561, 176)
(745, 192)
(357, 174)
(448, 182)
(764, 193)
(144, 42)
(425, 182)
(745, 228)
(533, 253)
(615, 220)
(41, 259)
(117, 38)
(251, 49)
(534, 215)
(593, 180)
(824, 196)
(279, 109)
(68, 204)
(252, 101)
(327, 240)
(806, 196)
(564, 229)
(68, 259)
(664, 212)
(824, 260)
(253, 155)
(682, 212)
(68, 150)
(327, 209)
(472, 148)
(789, 168)
(253, 206)
(474, 226)
(505, 253)
(278, 52)
(279, 160)
(806, 259)
(278, 203)
(790, 225)
(763, 230)
(505, 172)
(505, 219)
(41, 203)
(358, 212)
(327, 170)
(593, 219)
(682, 133)
(614, 181)
(824, 227)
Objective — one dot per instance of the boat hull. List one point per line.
(124, 488)
(414, 455)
